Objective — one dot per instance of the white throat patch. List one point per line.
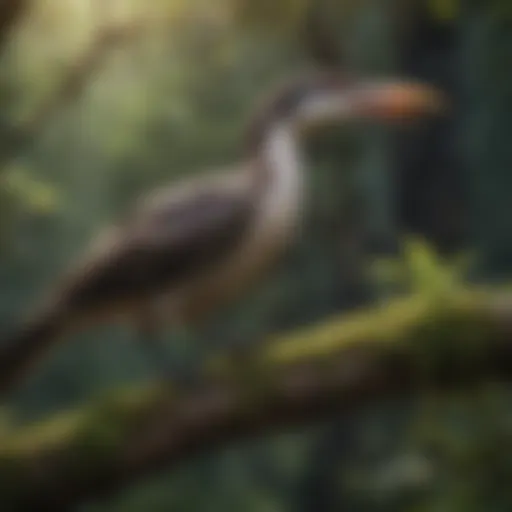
(284, 162)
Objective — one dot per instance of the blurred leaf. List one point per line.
(34, 195)
(421, 270)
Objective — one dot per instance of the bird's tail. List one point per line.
(25, 347)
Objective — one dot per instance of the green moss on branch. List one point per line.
(297, 378)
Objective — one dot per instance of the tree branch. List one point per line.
(17, 138)
(338, 366)
(11, 12)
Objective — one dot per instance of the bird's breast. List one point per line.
(277, 212)
(273, 228)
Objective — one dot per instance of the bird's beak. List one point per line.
(399, 101)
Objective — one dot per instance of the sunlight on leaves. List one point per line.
(35, 196)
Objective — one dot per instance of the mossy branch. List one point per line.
(405, 345)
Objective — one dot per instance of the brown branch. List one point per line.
(11, 12)
(18, 138)
(341, 365)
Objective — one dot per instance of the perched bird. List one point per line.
(188, 249)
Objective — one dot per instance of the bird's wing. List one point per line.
(170, 237)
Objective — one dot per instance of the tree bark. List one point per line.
(333, 368)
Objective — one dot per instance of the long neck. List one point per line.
(280, 157)
(279, 168)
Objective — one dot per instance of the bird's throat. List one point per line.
(282, 161)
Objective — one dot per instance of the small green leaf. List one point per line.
(422, 271)
(32, 194)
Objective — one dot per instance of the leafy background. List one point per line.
(171, 99)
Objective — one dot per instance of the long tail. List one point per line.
(24, 349)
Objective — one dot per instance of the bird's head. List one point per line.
(325, 98)
(328, 98)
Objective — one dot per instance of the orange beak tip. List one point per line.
(410, 101)
(418, 101)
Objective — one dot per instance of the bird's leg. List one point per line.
(149, 331)
(177, 366)
(245, 365)
(171, 369)
(189, 374)
(229, 353)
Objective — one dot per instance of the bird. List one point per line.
(191, 248)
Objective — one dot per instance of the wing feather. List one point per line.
(164, 243)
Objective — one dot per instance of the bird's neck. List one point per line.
(280, 156)
(278, 168)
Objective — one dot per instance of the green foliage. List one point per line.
(91, 438)
(30, 194)
(466, 435)
(421, 271)
(174, 101)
